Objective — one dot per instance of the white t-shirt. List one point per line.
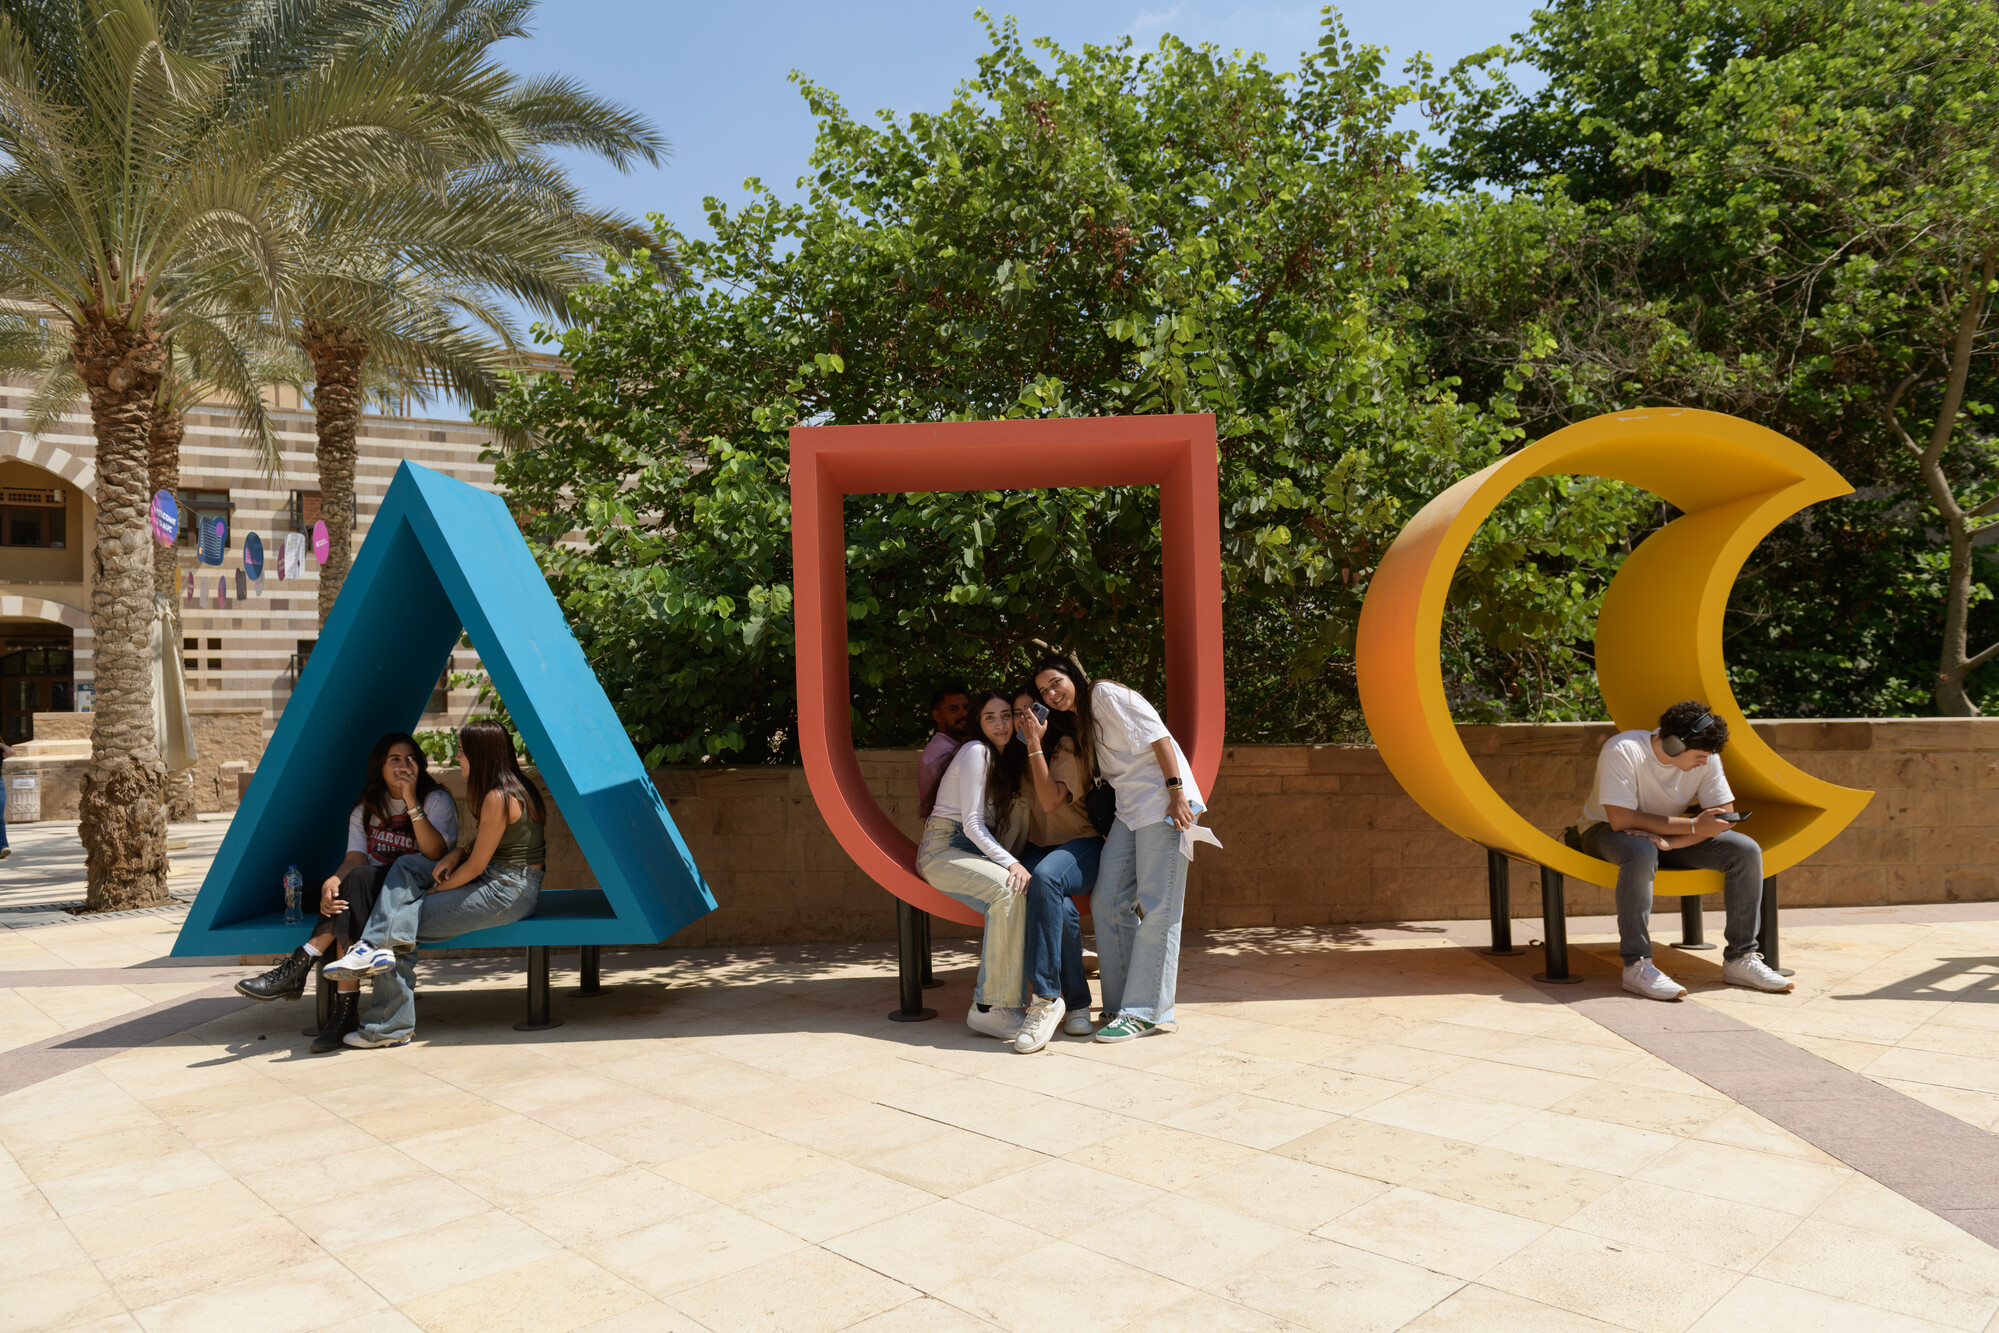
(1126, 727)
(1630, 775)
(438, 808)
(961, 798)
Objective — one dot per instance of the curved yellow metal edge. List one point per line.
(1659, 634)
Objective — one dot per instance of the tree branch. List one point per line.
(1977, 660)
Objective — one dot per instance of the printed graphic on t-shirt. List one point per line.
(388, 841)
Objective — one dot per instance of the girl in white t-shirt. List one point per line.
(1141, 891)
(402, 812)
(963, 858)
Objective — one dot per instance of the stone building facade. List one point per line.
(242, 654)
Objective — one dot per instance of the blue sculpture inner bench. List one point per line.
(444, 558)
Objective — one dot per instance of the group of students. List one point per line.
(405, 880)
(1034, 796)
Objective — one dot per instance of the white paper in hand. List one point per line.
(1195, 833)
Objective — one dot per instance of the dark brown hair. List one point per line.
(1080, 726)
(375, 796)
(491, 766)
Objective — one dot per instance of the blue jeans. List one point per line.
(1140, 897)
(1054, 926)
(405, 915)
(1736, 855)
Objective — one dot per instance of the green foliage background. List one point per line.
(1111, 231)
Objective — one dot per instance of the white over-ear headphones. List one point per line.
(1677, 745)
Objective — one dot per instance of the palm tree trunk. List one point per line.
(123, 807)
(337, 353)
(168, 428)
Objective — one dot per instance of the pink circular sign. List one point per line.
(320, 545)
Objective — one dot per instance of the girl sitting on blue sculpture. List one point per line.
(493, 882)
(402, 811)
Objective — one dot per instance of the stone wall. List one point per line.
(1322, 834)
(229, 741)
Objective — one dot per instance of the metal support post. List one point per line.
(1499, 898)
(1766, 933)
(322, 999)
(1554, 929)
(1693, 933)
(587, 965)
(930, 981)
(909, 964)
(539, 1016)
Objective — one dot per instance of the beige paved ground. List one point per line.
(1384, 1133)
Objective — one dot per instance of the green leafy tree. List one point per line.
(1778, 209)
(1080, 233)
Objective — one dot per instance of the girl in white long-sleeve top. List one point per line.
(963, 858)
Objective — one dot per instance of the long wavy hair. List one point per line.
(375, 796)
(492, 766)
(1006, 766)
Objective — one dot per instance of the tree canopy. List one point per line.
(1120, 231)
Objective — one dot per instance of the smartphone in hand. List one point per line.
(1733, 816)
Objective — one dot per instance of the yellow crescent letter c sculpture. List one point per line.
(1658, 636)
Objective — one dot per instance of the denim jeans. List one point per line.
(1140, 897)
(407, 915)
(955, 867)
(1054, 926)
(1638, 858)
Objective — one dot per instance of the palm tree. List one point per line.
(143, 190)
(406, 279)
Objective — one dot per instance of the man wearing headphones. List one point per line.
(1632, 819)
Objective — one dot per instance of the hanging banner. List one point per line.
(219, 598)
(166, 518)
(294, 561)
(253, 556)
(188, 595)
(321, 547)
(242, 586)
(214, 537)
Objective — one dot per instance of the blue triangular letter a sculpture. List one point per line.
(442, 555)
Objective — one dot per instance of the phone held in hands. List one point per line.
(1040, 715)
(1733, 816)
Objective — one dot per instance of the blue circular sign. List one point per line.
(253, 555)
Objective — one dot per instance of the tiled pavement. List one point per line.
(1353, 1130)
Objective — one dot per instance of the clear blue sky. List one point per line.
(714, 76)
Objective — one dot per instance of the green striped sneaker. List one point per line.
(1124, 1027)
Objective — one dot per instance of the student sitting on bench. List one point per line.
(1632, 819)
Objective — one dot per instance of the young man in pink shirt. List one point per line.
(950, 712)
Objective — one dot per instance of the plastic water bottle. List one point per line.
(294, 882)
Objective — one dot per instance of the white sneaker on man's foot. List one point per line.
(361, 960)
(1078, 1023)
(1750, 970)
(1641, 978)
(999, 1021)
(1043, 1013)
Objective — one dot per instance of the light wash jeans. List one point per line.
(1140, 897)
(955, 867)
(1054, 926)
(1736, 855)
(405, 915)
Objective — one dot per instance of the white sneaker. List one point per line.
(358, 961)
(1641, 978)
(1038, 1025)
(999, 1021)
(1078, 1024)
(1750, 970)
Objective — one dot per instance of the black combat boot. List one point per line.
(346, 1016)
(286, 981)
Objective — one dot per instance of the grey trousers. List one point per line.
(1638, 859)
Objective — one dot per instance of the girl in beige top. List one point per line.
(1061, 857)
